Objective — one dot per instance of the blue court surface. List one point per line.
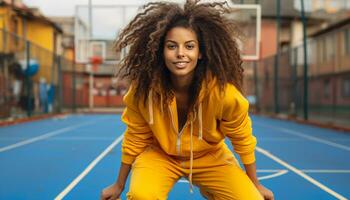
(76, 156)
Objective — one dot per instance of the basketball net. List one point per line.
(95, 62)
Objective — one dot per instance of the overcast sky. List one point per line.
(102, 28)
(107, 21)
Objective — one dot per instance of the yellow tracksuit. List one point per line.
(161, 153)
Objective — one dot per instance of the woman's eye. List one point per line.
(190, 46)
(171, 46)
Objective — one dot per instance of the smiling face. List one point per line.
(181, 52)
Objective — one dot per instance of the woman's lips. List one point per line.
(181, 64)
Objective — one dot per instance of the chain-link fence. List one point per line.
(61, 84)
(281, 90)
(31, 78)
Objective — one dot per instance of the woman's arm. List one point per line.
(251, 172)
(137, 137)
(114, 191)
(237, 126)
(123, 174)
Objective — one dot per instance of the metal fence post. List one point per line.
(306, 102)
(4, 40)
(294, 53)
(277, 56)
(28, 82)
(74, 106)
(59, 69)
(256, 83)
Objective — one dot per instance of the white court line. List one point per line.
(88, 169)
(280, 173)
(82, 138)
(42, 137)
(300, 173)
(322, 171)
(330, 171)
(268, 170)
(307, 136)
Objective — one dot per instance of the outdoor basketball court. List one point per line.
(76, 156)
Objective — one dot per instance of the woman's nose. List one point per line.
(180, 53)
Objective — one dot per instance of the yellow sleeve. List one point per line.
(236, 124)
(138, 134)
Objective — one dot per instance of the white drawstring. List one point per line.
(193, 118)
(200, 137)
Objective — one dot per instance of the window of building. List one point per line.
(319, 51)
(323, 49)
(347, 42)
(329, 47)
(15, 31)
(345, 87)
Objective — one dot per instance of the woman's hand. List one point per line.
(112, 192)
(266, 193)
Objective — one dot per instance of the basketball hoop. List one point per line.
(95, 62)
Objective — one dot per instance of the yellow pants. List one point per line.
(217, 174)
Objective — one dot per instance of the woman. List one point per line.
(185, 98)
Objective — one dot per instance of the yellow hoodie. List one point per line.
(217, 115)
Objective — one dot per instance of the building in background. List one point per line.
(322, 15)
(20, 26)
(67, 26)
(328, 44)
(27, 38)
(18, 19)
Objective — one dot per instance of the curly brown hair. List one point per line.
(144, 36)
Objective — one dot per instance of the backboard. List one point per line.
(97, 48)
(94, 36)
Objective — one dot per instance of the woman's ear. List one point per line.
(200, 55)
